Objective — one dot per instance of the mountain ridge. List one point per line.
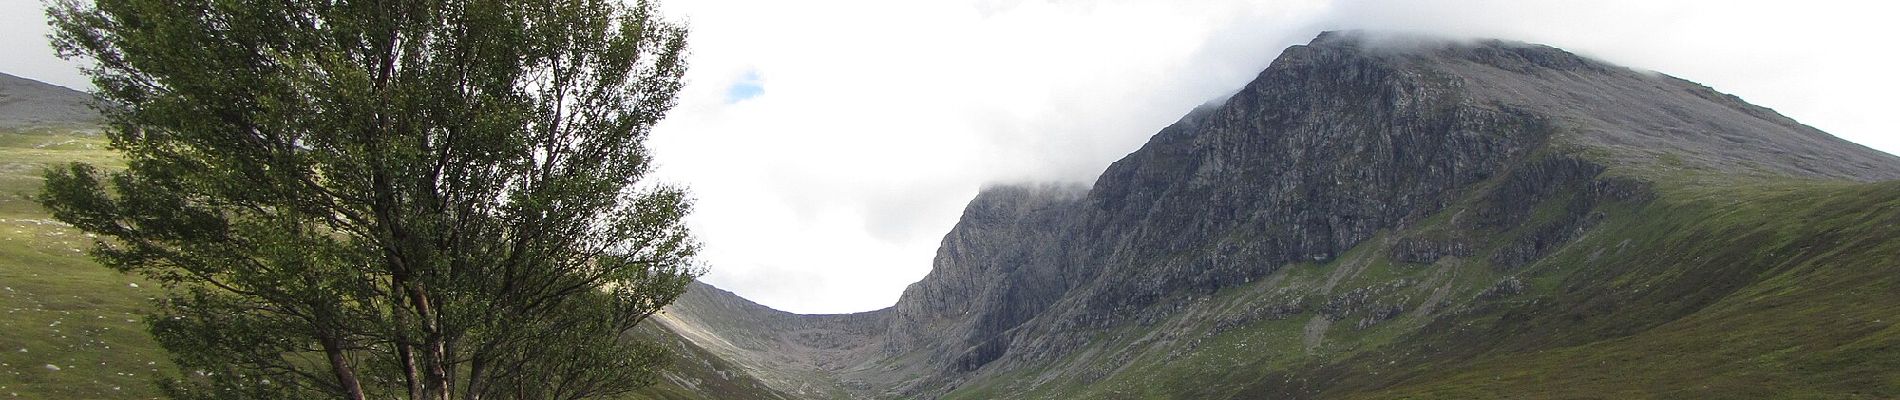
(1457, 168)
(28, 103)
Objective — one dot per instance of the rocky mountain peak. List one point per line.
(1632, 118)
(1504, 54)
(1354, 150)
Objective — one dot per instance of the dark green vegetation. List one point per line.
(1718, 288)
(362, 199)
(65, 310)
(1754, 289)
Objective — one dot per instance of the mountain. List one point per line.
(28, 103)
(1381, 215)
(1374, 216)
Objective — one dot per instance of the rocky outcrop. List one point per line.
(1429, 250)
(1454, 152)
(1004, 262)
(1510, 286)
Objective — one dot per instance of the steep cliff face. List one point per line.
(1007, 259)
(1362, 189)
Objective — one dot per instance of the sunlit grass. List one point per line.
(72, 329)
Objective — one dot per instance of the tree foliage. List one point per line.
(425, 199)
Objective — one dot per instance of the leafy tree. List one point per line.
(424, 199)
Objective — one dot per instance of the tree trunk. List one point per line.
(345, 373)
(435, 359)
(405, 345)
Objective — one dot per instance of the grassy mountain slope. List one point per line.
(74, 329)
(1402, 217)
(1720, 287)
(1592, 232)
(1729, 290)
(61, 310)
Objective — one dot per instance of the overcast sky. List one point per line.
(831, 144)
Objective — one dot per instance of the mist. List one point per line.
(830, 191)
(831, 144)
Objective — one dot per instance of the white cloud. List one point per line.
(876, 121)
(879, 119)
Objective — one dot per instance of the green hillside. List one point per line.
(1721, 290)
(75, 330)
(1718, 287)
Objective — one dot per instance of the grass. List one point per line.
(1762, 290)
(1722, 287)
(61, 310)
(73, 329)
(697, 373)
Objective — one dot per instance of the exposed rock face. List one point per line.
(1338, 142)
(1427, 251)
(1005, 262)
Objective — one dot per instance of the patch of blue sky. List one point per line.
(748, 86)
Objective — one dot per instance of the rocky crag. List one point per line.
(1372, 214)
